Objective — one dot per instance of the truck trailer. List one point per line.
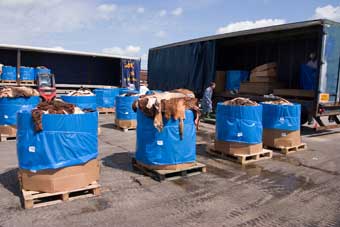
(73, 69)
(193, 64)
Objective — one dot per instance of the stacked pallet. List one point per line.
(263, 80)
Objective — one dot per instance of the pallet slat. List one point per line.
(103, 110)
(34, 199)
(243, 158)
(161, 175)
(15, 82)
(288, 150)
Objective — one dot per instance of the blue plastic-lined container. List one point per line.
(281, 117)
(27, 73)
(40, 70)
(83, 102)
(9, 107)
(234, 79)
(241, 124)
(66, 140)
(106, 97)
(165, 147)
(126, 90)
(124, 109)
(9, 73)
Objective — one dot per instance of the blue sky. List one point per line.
(131, 27)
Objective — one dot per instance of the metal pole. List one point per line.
(18, 66)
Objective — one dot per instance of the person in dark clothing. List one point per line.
(206, 100)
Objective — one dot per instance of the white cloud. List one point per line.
(127, 51)
(161, 34)
(144, 63)
(107, 8)
(245, 25)
(177, 12)
(140, 10)
(162, 13)
(327, 12)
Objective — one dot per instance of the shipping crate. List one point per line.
(125, 125)
(7, 132)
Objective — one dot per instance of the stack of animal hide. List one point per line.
(280, 101)
(53, 107)
(240, 102)
(15, 92)
(168, 104)
(81, 92)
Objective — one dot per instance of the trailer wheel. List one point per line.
(304, 115)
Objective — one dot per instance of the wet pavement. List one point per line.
(302, 189)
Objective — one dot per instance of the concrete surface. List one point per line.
(300, 190)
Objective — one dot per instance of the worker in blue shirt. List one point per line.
(206, 100)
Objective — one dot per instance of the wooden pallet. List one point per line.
(14, 82)
(161, 175)
(33, 199)
(242, 158)
(103, 110)
(288, 150)
(5, 137)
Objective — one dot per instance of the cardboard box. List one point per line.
(264, 67)
(259, 88)
(237, 148)
(281, 138)
(262, 79)
(126, 124)
(8, 130)
(59, 180)
(220, 81)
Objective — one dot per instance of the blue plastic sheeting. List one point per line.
(234, 79)
(126, 90)
(106, 96)
(308, 78)
(27, 73)
(9, 107)
(9, 73)
(242, 124)
(41, 70)
(124, 109)
(66, 140)
(130, 72)
(83, 102)
(165, 147)
(190, 66)
(283, 117)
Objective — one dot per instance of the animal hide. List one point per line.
(168, 104)
(15, 92)
(240, 102)
(53, 107)
(81, 92)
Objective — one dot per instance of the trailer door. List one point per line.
(330, 73)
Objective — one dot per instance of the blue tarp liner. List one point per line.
(83, 102)
(234, 79)
(165, 147)
(106, 97)
(9, 107)
(124, 109)
(130, 72)
(27, 73)
(308, 77)
(189, 66)
(9, 73)
(242, 124)
(126, 90)
(66, 140)
(42, 70)
(283, 117)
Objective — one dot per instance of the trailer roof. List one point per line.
(274, 28)
(58, 51)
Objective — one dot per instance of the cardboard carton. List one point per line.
(220, 81)
(281, 138)
(264, 67)
(126, 124)
(59, 180)
(237, 148)
(8, 130)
